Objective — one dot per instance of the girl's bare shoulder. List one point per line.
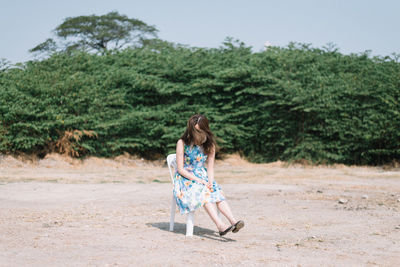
(180, 143)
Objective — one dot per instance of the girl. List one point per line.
(194, 184)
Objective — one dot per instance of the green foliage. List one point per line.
(98, 33)
(285, 103)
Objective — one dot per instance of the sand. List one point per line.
(115, 212)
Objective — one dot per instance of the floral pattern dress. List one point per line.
(190, 195)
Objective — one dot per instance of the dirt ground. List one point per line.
(115, 212)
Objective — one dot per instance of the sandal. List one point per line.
(225, 231)
(237, 226)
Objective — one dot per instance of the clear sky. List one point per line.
(353, 25)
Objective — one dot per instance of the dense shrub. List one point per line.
(286, 103)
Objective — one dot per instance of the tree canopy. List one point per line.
(98, 34)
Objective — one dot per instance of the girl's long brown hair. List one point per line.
(203, 137)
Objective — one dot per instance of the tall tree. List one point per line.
(98, 33)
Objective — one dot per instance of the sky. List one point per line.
(354, 26)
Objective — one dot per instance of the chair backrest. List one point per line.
(171, 161)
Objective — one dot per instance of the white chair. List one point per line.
(171, 160)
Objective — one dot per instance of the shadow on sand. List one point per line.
(180, 228)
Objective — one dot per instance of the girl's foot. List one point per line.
(237, 226)
(224, 232)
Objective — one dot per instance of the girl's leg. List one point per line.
(209, 207)
(226, 210)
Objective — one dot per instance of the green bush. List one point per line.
(286, 103)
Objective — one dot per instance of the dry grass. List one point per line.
(68, 143)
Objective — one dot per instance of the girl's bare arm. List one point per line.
(210, 165)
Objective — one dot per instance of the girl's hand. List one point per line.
(200, 181)
(209, 184)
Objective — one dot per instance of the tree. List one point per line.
(4, 64)
(98, 33)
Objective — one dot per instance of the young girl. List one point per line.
(194, 184)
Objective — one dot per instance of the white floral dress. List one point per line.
(190, 195)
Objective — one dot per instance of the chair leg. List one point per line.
(189, 224)
(172, 218)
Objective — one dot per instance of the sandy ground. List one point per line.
(102, 212)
